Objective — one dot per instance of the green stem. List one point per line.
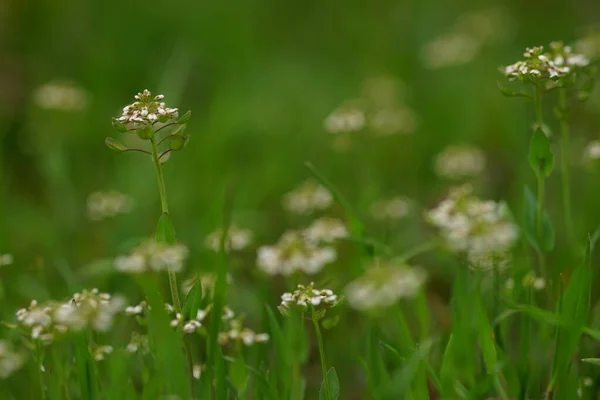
(39, 358)
(321, 352)
(537, 100)
(564, 151)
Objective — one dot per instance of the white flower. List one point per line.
(394, 208)
(152, 255)
(382, 285)
(237, 239)
(455, 48)
(471, 225)
(60, 95)
(305, 295)
(10, 361)
(350, 117)
(308, 197)
(197, 371)
(235, 332)
(101, 352)
(293, 253)
(326, 230)
(136, 310)
(101, 205)
(146, 110)
(592, 151)
(6, 259)
(392, 120)
(531, 280)
(458, 162)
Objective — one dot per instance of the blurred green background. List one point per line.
(260, 76)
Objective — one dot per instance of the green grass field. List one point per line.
(379, 200)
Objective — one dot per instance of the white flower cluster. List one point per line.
(153, 256)
(539, 66)
(101, 205)
(471, 225)
(591, 152)
(6, 259)
(494, 260)
(306, 198)
(326, 230)
(389, 209)
(62, 96)
(459, 162)
(470, 33)
(306, 296)
(294, 253)
(192, 325)
(383, 284)
(237, 239)
(10, 361)
(236, 332)
(100, 352)
(529, 281)
(378, 109)
(147, 110)
(137, 343)
(86, 309)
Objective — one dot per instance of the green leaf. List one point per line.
(85, 367)
(485, 336)
(115, 145)
(185, 117)
(192, 301)
(548, 235)
(540, 156)
(238, 374)
(165, 231)
(402, 380)
(334, 386)
(593, 361)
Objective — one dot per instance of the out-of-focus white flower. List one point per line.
(394, 208)
(101, 205)
(101, 352)
(197, 371)
(234, 331)
(307, 197)
(509, 284)
(591, 151)
(349, 117)
(589, 44)
(153, 256)
(89, 308)
(293, 253)
(536, 282)
(455, 48)
(392, 120)
(587, 381)
(61, 95)
(489, 261)
(237, 239)
(6, 259)
(147, 110)
(86, 309)
(384, 284)
(138, 343)
(470, 225)
(458, 162)
(136, 310)
(326, 230)
(10, 361)
(306, 296)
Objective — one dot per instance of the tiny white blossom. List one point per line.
(6, 259)
(305, 295)
(237, 239)
(326, 230)
(153, 256)
(458, 162)
(147, 110)
(307, 197)
(101, 205)
(10, 360)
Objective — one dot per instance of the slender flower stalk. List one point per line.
(565, 162)
(321, 351)
(537, 100)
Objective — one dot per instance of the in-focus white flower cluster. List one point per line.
(470, 33)
(383, 284)
(470, 225)
(101, 205)
(6, 259)
(61, 95)
(378, 110)
(459, 162)
(294, 253)
(86, 309)
(390, 209)
(153, 256)
(306, 296)
(147, 110)
(237, 239)
(538, 66)
(307, 198)
(10, 360)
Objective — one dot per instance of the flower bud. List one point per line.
(115, 145)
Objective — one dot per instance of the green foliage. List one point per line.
(541, 158)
